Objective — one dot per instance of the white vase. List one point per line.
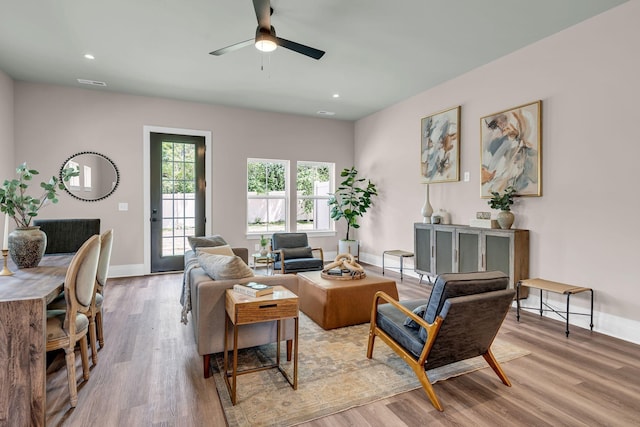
(505, 219)
(427, 209)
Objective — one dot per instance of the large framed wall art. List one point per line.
(511, 143)
(440, 146)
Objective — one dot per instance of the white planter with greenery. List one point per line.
(503, 202)
(351, 200)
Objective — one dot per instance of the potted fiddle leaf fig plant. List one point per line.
(26, 244)
(503, 202)
(350, 202)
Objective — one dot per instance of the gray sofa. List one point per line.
(208, 310)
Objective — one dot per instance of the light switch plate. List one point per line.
(466, 177)
(123, 206)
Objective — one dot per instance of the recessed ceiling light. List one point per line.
(336, 95)
(326, 113)
(89, 56)
(91, 82)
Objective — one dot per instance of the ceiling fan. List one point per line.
(266, 39)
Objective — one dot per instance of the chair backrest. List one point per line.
(289, 240)
(293, 245)
(470, 326)
(453, 285)
(106, 243)
(80, 280)
(65, 236)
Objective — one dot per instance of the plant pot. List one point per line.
(348, 247)
(263, 251)
(26, 246)
(505, 219)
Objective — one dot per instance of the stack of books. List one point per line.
(253, 289)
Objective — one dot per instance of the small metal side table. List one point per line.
(267, 260)
(242, 310)
(397, 253)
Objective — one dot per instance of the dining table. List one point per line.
(24, 296)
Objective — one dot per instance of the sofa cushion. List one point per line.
(206, 241)
(223, 267)
(217, 250)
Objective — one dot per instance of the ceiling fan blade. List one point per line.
(232, 48)
(300, 48)
(263, 13)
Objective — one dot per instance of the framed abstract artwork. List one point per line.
(511, 143)
(440, 146)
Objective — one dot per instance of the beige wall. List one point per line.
(54, 122)
(7, 167)
(583, 229)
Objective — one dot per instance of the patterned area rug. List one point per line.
(334, 374)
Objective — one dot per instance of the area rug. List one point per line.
(334, 374)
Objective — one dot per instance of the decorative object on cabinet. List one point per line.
(96, 179)
(503, 202)
(427, 209)
(440, 146)
(350, 201)
(462, 249)
(511, 143)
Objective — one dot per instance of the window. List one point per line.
(267, 195)
(314, 182)
(87, 178)
(74, 182)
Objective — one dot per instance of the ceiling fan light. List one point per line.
(265, 43)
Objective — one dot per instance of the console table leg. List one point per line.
(518, 301)
(567, 331)
(591, 324)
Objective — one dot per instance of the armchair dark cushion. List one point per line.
(65, 236)
(468, 310)
(298, 255)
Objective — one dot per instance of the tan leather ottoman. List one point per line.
(337, 303)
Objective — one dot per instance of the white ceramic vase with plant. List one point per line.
(503, 202)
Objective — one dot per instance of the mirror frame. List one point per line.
(115, 168)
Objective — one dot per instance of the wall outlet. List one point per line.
(466, 177)
(123, 206)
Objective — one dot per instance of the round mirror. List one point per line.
(98, 176)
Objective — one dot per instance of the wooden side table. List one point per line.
(241, 310)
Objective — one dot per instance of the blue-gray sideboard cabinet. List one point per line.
(443, 248)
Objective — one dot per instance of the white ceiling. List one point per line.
(378, 52)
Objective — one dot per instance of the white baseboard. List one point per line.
(126, 270)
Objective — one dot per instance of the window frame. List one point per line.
(285, 197)
(320, 198)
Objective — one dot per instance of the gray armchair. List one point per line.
(291, 253)
(459, 321)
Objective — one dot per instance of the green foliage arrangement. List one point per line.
(263, 241)
(502, 201)
(22, 207)
(352, 199)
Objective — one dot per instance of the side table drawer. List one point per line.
(262, 311)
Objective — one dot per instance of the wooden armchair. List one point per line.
(459, 321)
(291, 253)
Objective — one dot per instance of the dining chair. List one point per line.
(69, 326)
(106, 243)
(96, 335)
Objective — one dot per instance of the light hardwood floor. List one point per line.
(149, 374)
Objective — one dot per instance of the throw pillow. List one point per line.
(206, 241)
(224, 267)
(217, 250)
(419, 311)
(292, 253)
